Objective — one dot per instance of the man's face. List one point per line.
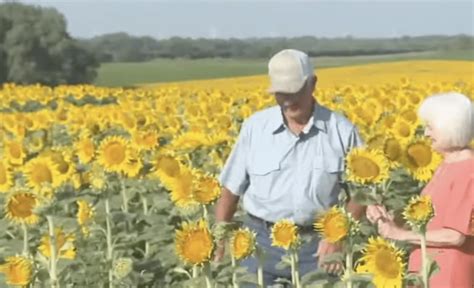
(294, 104)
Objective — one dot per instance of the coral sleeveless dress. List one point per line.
(452, 192)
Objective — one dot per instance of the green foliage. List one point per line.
(36, 48)
(121, 47)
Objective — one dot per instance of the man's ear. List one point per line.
(314, 80)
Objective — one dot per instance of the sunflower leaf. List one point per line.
(284, 263)
(180, 270)
(316, 277)
(359, 277)
(248, 278)
(433, 267)
(413, 279)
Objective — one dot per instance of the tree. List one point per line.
(36, 48)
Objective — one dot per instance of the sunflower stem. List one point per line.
(204, 212)
(424, 260)
(144, 205)
(145, 213)
(259, 254)
(124, 196)
(53, 263)
(349, 270)
(195, 271)
(234, 274)
(109, 240)
(208, 275)
(296, 268)
(25, 239)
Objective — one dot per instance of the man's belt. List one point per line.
(269, 225)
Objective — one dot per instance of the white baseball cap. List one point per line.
(288, 70)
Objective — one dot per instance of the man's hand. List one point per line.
(220, 251)
(325, 249)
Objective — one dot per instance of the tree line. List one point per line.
(35, 47)
(121, 47)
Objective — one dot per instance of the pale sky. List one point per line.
(244, 19)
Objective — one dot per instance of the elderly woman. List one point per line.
(449, 122)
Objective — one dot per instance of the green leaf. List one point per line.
(413, 279)
(433, 267)
(317, 277)
(285, 263)
(180, 270)
(361, 277)
(248, 278)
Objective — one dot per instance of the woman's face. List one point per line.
(432, 132)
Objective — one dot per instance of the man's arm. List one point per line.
(226, 206)
(225, 210)
(356, 209)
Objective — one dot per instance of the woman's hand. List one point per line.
(375, 213)
(388, 229)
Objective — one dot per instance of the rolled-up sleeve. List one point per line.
(234, 175)
(354, 139)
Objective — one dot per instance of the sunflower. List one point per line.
(194, 242)
(113, 153)
(420, 159)
(382, 259)
(333, 225)
(85, 215)
(419, 211)
(20, 208)
(190, 140)
(375, 141)
(366, 166)
(403, 130)
(122, 267)
(410, 116)
(64, 245)
(63, 161)
(42, 171)
(146, 139)
(96, 177)
(35, 144)
(393, 151)
(207, 190)
(134, 165)
(242, 243)
(181, 189)
(285, 234)
(14, 152)
(85, 149)
(166, 168)
(6, 177)
(18, 270)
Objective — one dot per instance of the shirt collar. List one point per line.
(317, 120)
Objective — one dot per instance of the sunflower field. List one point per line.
(114, 187)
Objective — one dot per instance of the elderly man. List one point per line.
(287, 163)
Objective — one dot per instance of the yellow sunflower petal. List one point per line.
(194, 243)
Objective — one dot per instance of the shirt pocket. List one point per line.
(263, 177)
(325, 177)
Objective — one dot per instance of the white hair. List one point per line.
(453, 115)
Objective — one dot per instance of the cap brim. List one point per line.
(285, 87)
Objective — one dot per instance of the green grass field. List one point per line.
(168, 70)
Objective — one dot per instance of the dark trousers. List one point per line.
(273, 255)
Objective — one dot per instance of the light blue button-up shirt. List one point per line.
(283, 175)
